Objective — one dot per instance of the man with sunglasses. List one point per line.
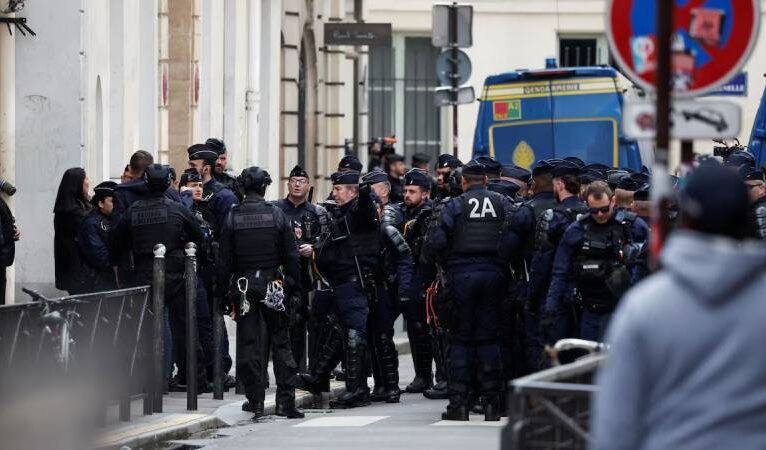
(756, 188)
(598, 254)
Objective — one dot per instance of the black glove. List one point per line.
(547, 328)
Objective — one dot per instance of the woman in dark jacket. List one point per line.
(70, 209)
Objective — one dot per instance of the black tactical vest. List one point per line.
(478, 228)
(255, 236)
(599, 256)
(152, 222)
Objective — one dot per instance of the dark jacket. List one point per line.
(68, 258)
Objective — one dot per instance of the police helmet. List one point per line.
(157, 177)
(254, 179)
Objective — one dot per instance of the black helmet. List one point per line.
(254, 179)
(157, 177)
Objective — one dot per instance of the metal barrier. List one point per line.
(551, 409)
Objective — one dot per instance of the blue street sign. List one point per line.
(736, 87)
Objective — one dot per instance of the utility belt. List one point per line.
(369, 282)
(249, 288)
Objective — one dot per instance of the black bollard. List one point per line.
(218, 325)
(158, 305)
(191, 326)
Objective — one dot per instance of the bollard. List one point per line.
(158, 346)
(218, 325)
(191, 326)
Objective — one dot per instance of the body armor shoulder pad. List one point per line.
(390, 216)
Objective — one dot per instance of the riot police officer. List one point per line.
(518, 176)
(219, 171)
(159, 220)
(550, 228)
(445, 164)
(474, 241)
(395, 168)
(305, 219)
(599, 253)
(256, 240)
(94, 238)
(757, 190)
(348, 262)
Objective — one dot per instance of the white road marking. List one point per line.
(474, 421)
(343, 421)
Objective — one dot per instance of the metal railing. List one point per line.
(551, 409)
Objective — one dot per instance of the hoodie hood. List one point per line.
(711, 266)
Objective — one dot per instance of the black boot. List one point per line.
(455, 413)
(328, 347)
(256, 409)
(379, 391)
(289, 411)
(423, 355)
(389, 365)
(458, 403)
(491, 407)
(438, 392)
(357, 392)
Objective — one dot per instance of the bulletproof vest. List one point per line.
(478, 228)
(205, 221)
(256, 237)
(211, 189)
(540, 205)
(599, 256)
(152, 222)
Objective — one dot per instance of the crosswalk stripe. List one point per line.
(342, 421)
(474, 421)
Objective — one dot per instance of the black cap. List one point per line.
(376, 176)
(417, 177)
(565, 168)
(350, 162)
(628, 183)
(754, 175)
(491, 165)
(421, 158)
(646, 170)
(598, 167)
(614, 176)
(254, 179)
(351, 177)
(216, 145)
(543, 167)
(102, 191)
(588, 176)
(157, 177)
(740, 158)
(717, 199)
(190, 175)
(474, 167)
(394, 157)
(643, 193)
(504, 187)
(447, 160)
(203, 152)
(641, 177)
(577, 161)
(298, 172)
(516, 172)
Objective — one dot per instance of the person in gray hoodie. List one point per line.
(684, 368)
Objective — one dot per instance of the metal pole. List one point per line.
(191, 326)
(218, 325)
(355, 121)
(158, 305)
(454, 75)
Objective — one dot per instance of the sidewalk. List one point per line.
(176, 422)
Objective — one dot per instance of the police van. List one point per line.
(529, 115)
(757, 145)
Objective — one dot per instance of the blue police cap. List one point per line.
(394, 157)
(565, 168)
(628, 183)
(102, 191)
(349, 177)
(421, 158)
(491, 165)
(298, 172)
(754, 175)
(643, 193)
(723, 209)
(504, 187)
(190, 175)
(376, 176)
(598, 167)
(516, 172)
(216, 145)
(474, 167)
(203, 152)
(576, 161)
(543, 167)
(417, 177)
(588, 176)
(447, 160)
(350, 162)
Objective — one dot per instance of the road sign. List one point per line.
(444, 68)
(441, 36)
(688, 119)
(374, 34)
(444, 96)
(711, 41)
(736, 87)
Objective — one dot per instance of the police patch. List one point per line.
(248, 221)
(151, 216)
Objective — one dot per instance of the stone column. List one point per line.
(8, 128)
(180, 56)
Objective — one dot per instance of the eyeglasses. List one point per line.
(602, 210)
(299, 182)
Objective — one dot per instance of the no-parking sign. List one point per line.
(712, 40)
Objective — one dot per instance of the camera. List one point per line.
(7, 187)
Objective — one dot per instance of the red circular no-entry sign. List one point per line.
(712, 40)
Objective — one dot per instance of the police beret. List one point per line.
(643, 193)
(350, 162)
(754, 175)
(298, 172)
(216, 145)
(190, 176)
(542, 167)
(565, 168)
(394, 157)
(491, 165)
(376, 176)
(203, 152)
(417, 177)
(351, 177)
(505, 187)
(588, 176)
(447, 160)
(421, 158)
(474, 167)
(577, 161)
(519, 173)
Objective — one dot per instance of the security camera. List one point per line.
(11, 6)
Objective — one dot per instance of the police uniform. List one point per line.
(225, 178)
(598, 260)
(444, 160)
(475, 242)
(306, 221)
(94, 241)
(349, 263)
(149, 222)
(397, 184)
(757, 209)
(255, 241)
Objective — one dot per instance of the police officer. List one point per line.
(348, 262)
(306, 220)
(395, 168)
(256, 240)
(550, 228)
(598, 254)
(474, 240)
(757, 190)
(94, 237)
(219, 171)
(518, 176)
(159, 220)
(445, 164)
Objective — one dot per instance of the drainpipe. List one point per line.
(8, 128)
